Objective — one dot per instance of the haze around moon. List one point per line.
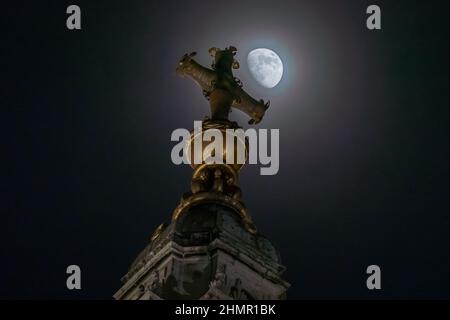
(265, 66)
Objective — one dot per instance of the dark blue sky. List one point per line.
(87, 117)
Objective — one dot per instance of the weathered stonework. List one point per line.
(206, 254)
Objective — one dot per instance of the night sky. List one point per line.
(86, 118)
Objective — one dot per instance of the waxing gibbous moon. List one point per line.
(265, 66)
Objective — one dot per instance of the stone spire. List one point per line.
(211, 248)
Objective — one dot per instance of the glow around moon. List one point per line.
(265, 66)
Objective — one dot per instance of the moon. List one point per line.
(265, 66)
